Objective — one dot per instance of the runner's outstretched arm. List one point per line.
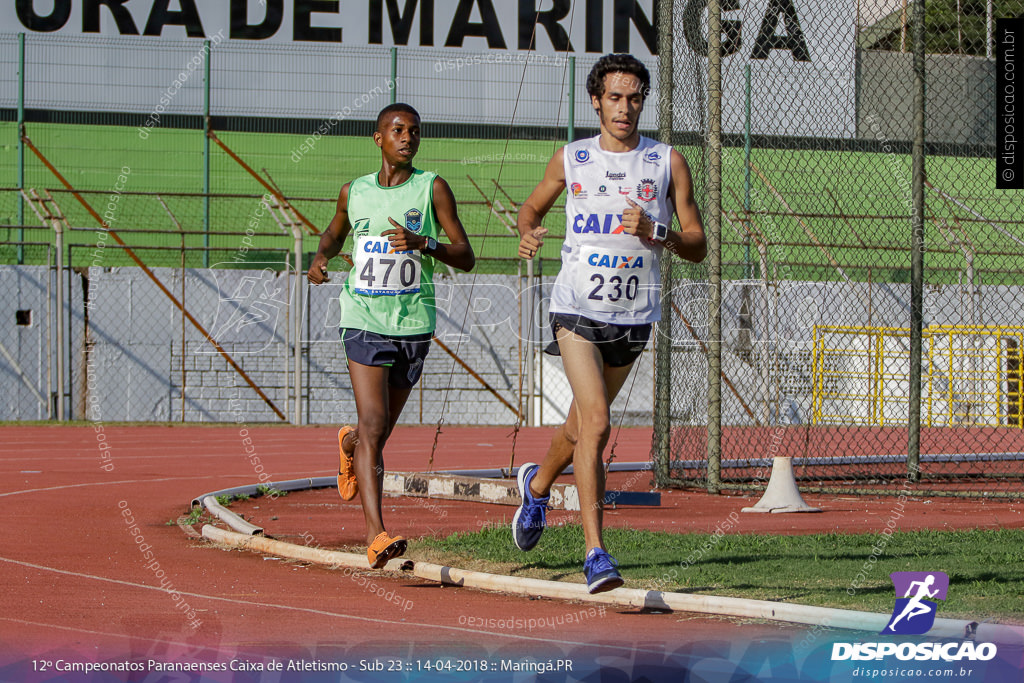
(537, 205)
(332, 239)
(457, 254)
(689, 242)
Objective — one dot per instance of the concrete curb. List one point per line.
(624, 597)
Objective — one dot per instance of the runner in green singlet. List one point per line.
(387, 301)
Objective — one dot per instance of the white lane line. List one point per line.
(126, 636)
(133, 637)
(309, 610)
(113, 483)
(281, 476)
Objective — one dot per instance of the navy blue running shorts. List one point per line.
(404, 356)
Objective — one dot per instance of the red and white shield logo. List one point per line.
(647, 190)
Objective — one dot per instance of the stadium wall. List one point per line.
(124, 347)
(26, 354)
(124, 354)
(960, 108)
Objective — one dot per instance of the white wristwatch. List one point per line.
(660, 233)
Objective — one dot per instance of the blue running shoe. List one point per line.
(600, 570)
(528, 524)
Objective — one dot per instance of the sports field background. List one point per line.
(804, 221)
(862, 222)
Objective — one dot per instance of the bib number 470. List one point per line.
(406, 273)
(381, 271)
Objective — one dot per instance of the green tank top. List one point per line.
(386, 292)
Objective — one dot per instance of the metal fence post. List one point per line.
(58, 228)
(21, 148)
(531, 350)
(286, 365)
(206, 153)
(747, 144)
(714, 234)
(917, 249)
(49, 336)
(663, 340)
(394, 74)
(181, 229)
(571, 129)
(297, 321)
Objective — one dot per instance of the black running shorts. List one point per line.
(619, 345)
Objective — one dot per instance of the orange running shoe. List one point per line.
(348, 487)
(385, 548)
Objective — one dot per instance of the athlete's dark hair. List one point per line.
(392, 108)
(618, 63)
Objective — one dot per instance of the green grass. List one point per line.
(197, 514)
(227, 499)
(846, 198)
(91, 157)
(985, 567)
(265, 490)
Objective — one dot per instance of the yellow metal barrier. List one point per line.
(972, 376)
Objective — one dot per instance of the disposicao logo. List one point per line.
(914, 613)
(921, 652)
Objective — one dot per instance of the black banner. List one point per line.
(1009, 120)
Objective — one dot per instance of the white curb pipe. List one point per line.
(624, 597)
(230, 518)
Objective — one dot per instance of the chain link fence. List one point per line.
(201, 222)
(817, 268)
(817, 279)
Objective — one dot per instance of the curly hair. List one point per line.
(618, 63)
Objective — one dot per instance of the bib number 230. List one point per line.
(615, 281)
(381, 271)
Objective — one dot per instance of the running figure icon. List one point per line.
(919, 590)
(915, 607)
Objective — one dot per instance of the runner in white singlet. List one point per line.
(622, 192)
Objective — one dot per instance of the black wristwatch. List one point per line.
(431, 246)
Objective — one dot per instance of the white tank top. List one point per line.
(608, 275)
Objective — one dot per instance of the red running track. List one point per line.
(74, 582)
